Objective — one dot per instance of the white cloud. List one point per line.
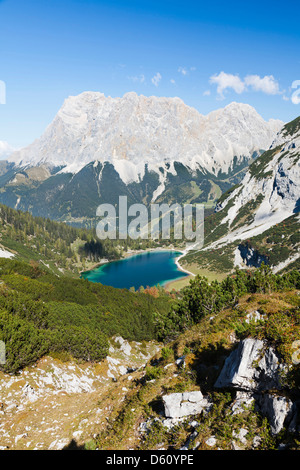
(295, 99)
(140, 78)
(227, 80)
(172, 81)
(5, 150)
(156, 79)
(206, 93)
(267, 84)
(182, 70)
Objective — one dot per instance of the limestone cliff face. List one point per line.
(270, 190)
(132, 131)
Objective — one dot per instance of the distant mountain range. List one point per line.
(146, 148)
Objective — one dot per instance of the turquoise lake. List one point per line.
(145, 269)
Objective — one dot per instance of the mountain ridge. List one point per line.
(132, 131)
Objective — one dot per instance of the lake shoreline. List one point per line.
(128, 254)
(132, 253)
(168, 285)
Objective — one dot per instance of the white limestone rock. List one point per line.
(211, 441)
(241, 435)
(277, 409)
(238, 370)
(254, 317)
(177, 405)
(242, 402)
(251, 368)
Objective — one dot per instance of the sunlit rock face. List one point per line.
(133, 131)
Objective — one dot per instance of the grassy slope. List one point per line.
(40, 313)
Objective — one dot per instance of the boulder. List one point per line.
(267, 374)
(177, 405)
(278, 410)
(250, 368)
(211, 441)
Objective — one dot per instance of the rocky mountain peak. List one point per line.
(142, 130)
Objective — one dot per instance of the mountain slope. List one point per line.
(58, 389)
(262, 208)
(59, 248)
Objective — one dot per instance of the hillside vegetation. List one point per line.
(41, 314)
(74, 320)
(58, 247)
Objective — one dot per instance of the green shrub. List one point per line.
(153, 373)
(167, 354)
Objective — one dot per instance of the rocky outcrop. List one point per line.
(279, 410)
(251, 367)
(178, 405)
(254, 369)
(48, 404)
(268, 194)
(251, 257)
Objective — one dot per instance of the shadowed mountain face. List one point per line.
(75, 197)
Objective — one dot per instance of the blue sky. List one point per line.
(207, 53)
